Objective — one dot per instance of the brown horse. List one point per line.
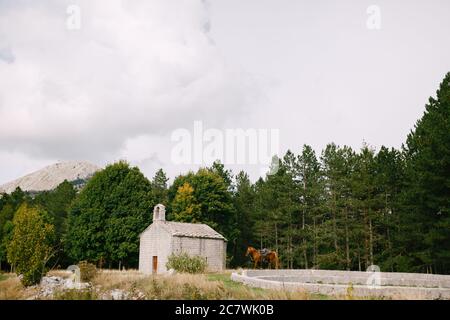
(256, 256)
(271, 257)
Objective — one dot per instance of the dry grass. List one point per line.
(158, 287)
(59, 273)
(215, 286)
(12, 289)
(188, 287)
(184, 287)
(115, 279)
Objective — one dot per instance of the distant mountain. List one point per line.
(48, 178)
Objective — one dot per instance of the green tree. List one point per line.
(210, 192)
(244, 219)
(185, 207)
(107, 217)
(57, 202)
(6, 234)
(389, 181)
(160, 188)
(277, 204)
(227, 177)
(366, 202)
(336, 171)
(30, 247)
(426, 216)
(309, 183)
(6, 215)
(351, 208)
(213, 198)
(9, 203)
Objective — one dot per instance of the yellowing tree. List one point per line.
(31, 245)
(184, 206)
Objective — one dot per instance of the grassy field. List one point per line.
(259, 293)
(133, 285)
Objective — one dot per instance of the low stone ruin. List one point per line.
(389, 285)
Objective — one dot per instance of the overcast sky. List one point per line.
(134, 71)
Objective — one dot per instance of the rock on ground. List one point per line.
(50, 285)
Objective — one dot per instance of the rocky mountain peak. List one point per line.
(51, 176)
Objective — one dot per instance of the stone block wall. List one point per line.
(354, 277)
(214, 250)
(330, 282)
(155, 241)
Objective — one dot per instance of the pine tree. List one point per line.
(366, 202)
(244, 218)
(219, 169)
(426, 215)
(57, 202)
(277, 203)
(333, 162)
(160, 188)
(389, 182)
(310, 185)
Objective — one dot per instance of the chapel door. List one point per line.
(155, 264)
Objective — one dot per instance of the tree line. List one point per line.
(340, 209)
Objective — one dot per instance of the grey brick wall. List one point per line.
(214, 250)
(156, 241)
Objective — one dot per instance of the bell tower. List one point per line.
(159, 213)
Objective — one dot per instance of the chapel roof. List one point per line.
(194, 230)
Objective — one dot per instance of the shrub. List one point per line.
(185, 263)
(192, 292)
(350, 289)
(75, 294)
(31, 245)
(88, 271)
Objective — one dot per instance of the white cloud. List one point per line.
(139, 69)
(135, 68)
